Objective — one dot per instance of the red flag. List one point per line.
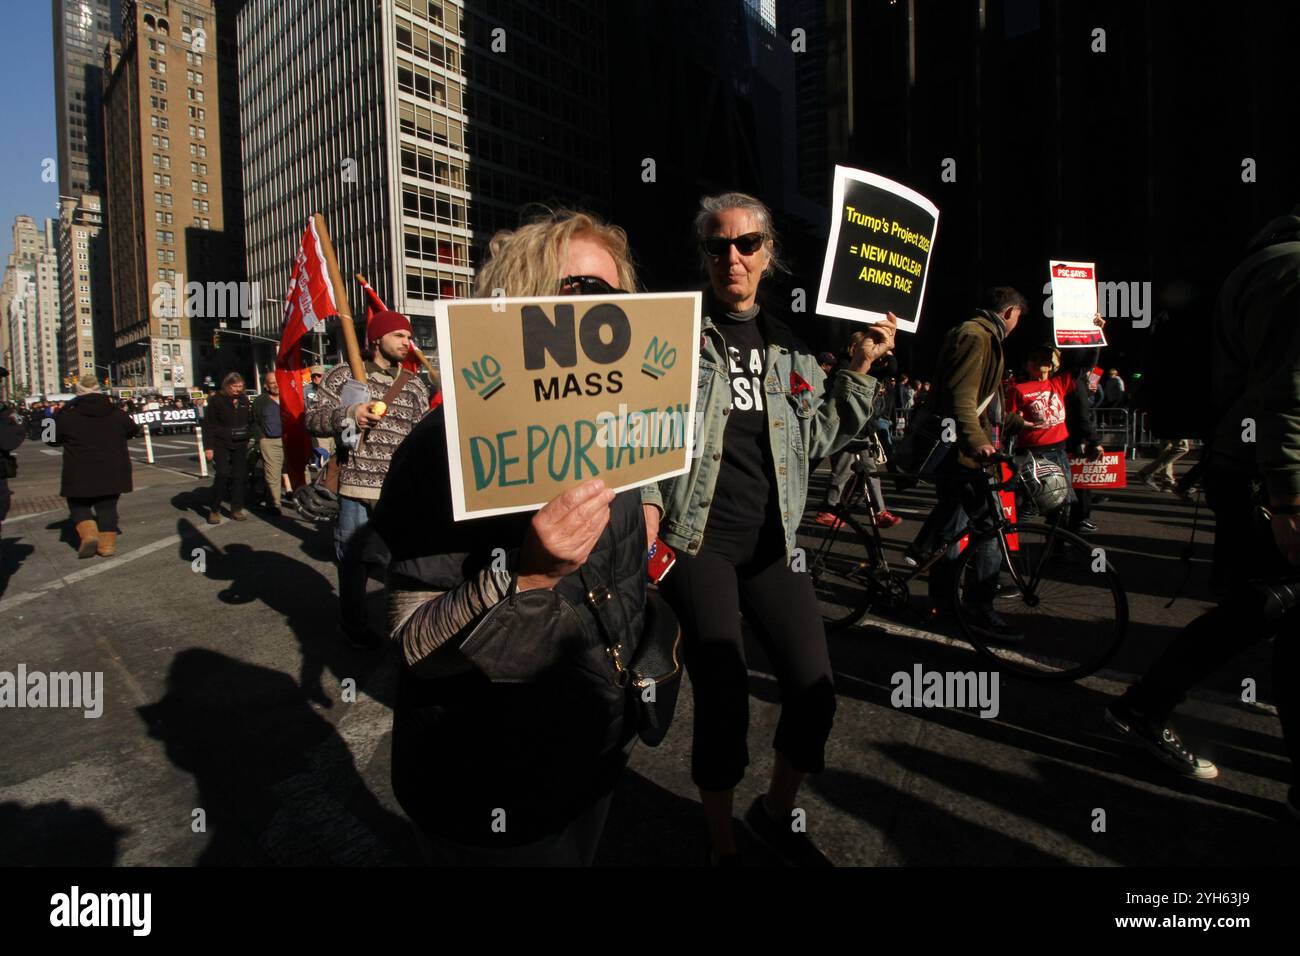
(308, 303)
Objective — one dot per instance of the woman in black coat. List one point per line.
(227, 429)
(93, 433)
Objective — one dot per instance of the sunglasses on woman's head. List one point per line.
(587, 285)
(748, 244)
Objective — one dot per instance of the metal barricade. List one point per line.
(1112, 428)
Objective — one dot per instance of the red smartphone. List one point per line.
(659, 561)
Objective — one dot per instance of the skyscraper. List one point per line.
(82, 28)
(165, 214)
(29, 308)
(82, 248)
(418, 128)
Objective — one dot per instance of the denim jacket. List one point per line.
(803, 428)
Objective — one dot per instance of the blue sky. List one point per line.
(26, 116)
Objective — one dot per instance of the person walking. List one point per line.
(270, 443)
(967, 388)
(12, 434)
(1158, 473)
(364, 467)
(1251, 479)
(227, 430)
(93, 433)
(767, 413)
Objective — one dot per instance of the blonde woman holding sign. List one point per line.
(766, 412)
(495, 772)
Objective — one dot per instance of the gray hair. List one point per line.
(710, 206)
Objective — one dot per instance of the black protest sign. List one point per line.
(878, 252)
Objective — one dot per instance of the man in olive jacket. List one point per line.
(967, 399)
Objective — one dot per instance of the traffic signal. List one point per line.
(216, 340)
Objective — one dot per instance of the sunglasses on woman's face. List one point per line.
(747, 244)
(587, 285)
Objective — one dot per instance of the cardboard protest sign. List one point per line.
(1109, 471)
(1074, 304)
(878, 252)
(543, 394)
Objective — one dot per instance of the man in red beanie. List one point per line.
(366, 437)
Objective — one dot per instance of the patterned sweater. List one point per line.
(363, 471)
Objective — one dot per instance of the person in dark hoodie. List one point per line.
(1251, 477)
(93, 433)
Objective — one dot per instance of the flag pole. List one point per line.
(419, 354)
(341, 298)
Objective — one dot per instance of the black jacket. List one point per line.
(1078, 414)
(225, 416)
(11, 436)
(464, 746)
(93, 432)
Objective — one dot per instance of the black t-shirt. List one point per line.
(744, 496)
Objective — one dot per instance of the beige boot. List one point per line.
(89, 535)
(107, 544)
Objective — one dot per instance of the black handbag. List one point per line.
(653, 676)
(650, 680)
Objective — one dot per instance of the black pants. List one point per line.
(231, 467)
(963, 503)
(1208, 643)
(709, 592)
(1243, 551)
(102, 511)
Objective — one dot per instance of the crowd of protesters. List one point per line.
(547, 748)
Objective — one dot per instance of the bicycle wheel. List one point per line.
(839, 561)
(1060, 593)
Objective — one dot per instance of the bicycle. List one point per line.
(1064, 596)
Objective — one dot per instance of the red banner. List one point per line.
(308, 303)
(1109, 471)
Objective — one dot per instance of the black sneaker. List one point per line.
(793, 848)
(912, 556)
(1166, 745)
(990, 625)
(1085, 527)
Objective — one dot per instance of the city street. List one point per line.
(227, 690)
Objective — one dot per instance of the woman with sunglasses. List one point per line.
(512, 774)
(767, 412)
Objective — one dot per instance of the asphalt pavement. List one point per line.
(237, 728)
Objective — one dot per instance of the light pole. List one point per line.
(108, 370)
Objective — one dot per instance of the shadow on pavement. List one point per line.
(12, 555)
(56, 834)
(1076, 763)
(303, 596)
(276, 782)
